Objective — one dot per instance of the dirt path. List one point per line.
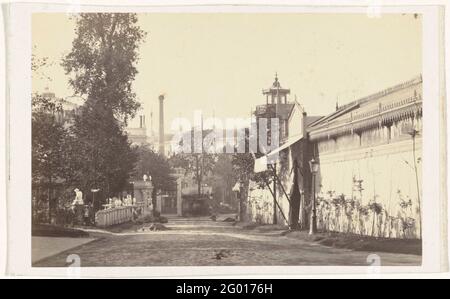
(207, 243)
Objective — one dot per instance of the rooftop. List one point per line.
(276, 87)
(368, 111)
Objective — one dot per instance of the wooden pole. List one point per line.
(275, 203)
(281, 211)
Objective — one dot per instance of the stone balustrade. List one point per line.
(109, 217)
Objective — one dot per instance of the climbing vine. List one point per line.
(347, 214)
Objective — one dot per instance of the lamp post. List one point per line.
(314, 167)
(237, 189)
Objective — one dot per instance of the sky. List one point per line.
(219, 63)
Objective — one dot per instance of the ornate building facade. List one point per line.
(276, 107)
(370, 155)
(370, 177)
(283, 199)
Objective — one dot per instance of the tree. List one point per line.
(39, 102)
(48, 139)
(224, 174)
(243, 165)
(102, 154)
(39, 66)
(200, 165)
(103, 60)
(102, 66)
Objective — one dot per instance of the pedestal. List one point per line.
(143, 191)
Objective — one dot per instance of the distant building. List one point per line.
(270, 204)
(167, 146)
(277, 106)
(70, 107)
(138, 135)
(184, 199)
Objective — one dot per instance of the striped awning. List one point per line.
(367, 123)
(271, 157)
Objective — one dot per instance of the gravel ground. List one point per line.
(202, 242)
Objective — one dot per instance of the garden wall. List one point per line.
(371, 191)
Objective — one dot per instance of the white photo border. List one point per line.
(19, 91)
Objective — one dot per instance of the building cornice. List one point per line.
(385, 92)
(385, 114)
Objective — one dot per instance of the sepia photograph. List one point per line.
(220, 140)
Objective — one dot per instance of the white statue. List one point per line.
(237, 187)
(117, 202)
(78, 197)
(128, 200)
(145, 178)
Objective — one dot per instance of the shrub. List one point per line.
(162, 219)
(376, 208)
(148, 219)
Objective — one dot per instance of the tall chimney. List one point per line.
(151, 122)
(161, 125)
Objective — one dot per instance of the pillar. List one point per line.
(161, 125)
(179, 199)
(143, 191)
(159, 203)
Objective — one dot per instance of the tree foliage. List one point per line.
(102, 63)
(224, 168)
(102, 66)
(199, 165)
(39, 66)
(48, 139)
(244, 164)
(155, 165)
(103, 157)
(41, 103)
(92, 150)
(224, 176)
